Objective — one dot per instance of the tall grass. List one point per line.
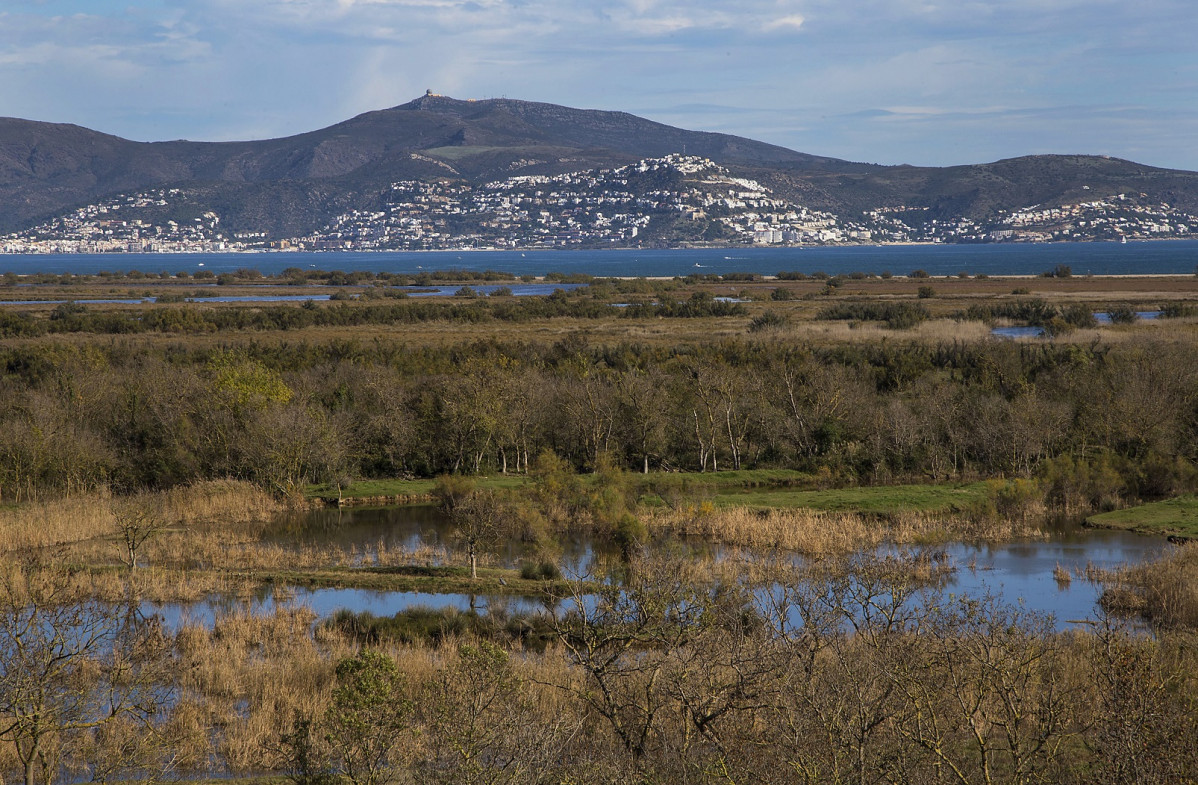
(817, 533)
(1163, 591)
(90, 516)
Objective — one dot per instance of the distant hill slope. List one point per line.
(295, 184)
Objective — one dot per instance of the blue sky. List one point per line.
(926, 82)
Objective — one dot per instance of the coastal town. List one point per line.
(672, 201)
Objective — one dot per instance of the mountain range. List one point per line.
(294, 185)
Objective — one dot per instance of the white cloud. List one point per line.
(791, 22)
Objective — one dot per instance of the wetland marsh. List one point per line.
(691, 540)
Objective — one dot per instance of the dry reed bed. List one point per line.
(249, 675)
(1163, 591)
(93, 516)
(818, 533)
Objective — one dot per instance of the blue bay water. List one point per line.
(1174, 257)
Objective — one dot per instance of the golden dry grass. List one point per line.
(91, 516)
(1164, 590)
(817, 533)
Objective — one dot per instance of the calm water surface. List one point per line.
(1017, 573)
(1175, 257)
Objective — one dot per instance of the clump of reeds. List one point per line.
(252, 673)
(818, 533)
(1061, 575)
(1164, 591)
(223, 502)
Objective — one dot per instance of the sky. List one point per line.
(922, 82)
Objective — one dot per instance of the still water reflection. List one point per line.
(1019, 573)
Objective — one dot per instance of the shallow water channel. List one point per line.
(1017, 573)
(1102, 317)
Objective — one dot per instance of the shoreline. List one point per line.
(599, 249)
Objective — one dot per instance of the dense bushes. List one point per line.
(897, 316)
(341, 312)
(78, 415)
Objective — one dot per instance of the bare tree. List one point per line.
(136, 524)
(620, 637)
(478, 519)
(69, 666)
(481, 721)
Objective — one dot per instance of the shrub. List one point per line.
(1056, 326)
(926, 292)
(542, 571)
(918, 274)
(1079, 316)
(769, 320)
(898, 316)
(1073, 483)
(1123, 314)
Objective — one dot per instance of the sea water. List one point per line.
(1171, 257)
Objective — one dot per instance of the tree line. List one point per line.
(74, 317)
(1101, 422)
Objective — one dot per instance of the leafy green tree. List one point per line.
(245, 384)
(366, 720)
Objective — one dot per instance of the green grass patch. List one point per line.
(743, 478)
(403, 489)
(866, 499)
(430, 580)
(1170, 518)
(415, 489)
(433, 626)
(780, 488)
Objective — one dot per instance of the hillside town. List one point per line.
(673, 201)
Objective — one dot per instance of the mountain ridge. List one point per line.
(292, 185)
